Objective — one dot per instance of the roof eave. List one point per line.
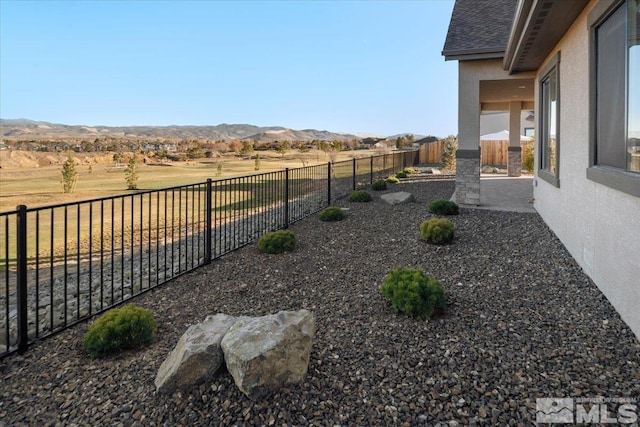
(472, 54)
(537, 27)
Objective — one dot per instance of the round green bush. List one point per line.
(392, 180)
(331, 213)
(121, 328)
(379, 185)
(277, 242)
(443, 207)
(360, 196)
(437, 231)
(402, 174)
(413, 293)
(409, 171)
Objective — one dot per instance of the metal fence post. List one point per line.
(354, 173)
(286, 198)
(329, 184)
(371, 171)
(23, 337)
(209, 226)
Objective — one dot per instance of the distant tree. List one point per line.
(235, 146)
(69, 176)
(257, 162)
(219, 169)
(131, 173)
(117, 158)
(283, 148)
(247, 148)
(195, 152)
(401, 141)
(304, 149)
(410, 139)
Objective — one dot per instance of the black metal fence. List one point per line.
(63, 264)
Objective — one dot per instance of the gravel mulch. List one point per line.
(523, 322)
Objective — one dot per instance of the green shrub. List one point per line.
(379, 185)
(277, 242)
(127, 327)
(402, 174)
(413, 293)
(448, 155)
(437, 230)
(392, 180)
(409, 171)
(331, 213)
(527, 157)
(360, 196)
(443, 207)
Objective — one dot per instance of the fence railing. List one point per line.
(63, 264)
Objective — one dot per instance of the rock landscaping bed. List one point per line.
(522, 322)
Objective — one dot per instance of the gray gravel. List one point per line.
(523, 322)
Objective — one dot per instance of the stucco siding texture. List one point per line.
(597, 224)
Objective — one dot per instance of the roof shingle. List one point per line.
(479, 26)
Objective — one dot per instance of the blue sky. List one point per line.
(364, 66)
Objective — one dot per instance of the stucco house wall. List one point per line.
(600, 226)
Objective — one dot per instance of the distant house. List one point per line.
(576, 65)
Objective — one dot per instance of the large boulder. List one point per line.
(265, 353)
(398, 198)
(197, 356)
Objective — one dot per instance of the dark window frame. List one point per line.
(552, 67)
(616, 178)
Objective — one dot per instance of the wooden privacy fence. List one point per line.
(493, 153)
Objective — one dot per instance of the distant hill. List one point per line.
(24, 129)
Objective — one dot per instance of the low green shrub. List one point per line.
(409, 171)
(277, 242)
(413, 293)
(437, 231)
(401, 174)
(332, 213)
(123, 328)
(379, 185)
(392, 180)
(443, 207)
(360, 196)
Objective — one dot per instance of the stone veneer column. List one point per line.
(468, 177)
(468, 154)
(514, 161)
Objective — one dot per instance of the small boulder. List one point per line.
(433, 171)
(487, 169)
(398, 198)
(265, 353)
(197, 356)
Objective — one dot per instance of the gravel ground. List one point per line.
(523, 322)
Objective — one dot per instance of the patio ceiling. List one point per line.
(495, 95)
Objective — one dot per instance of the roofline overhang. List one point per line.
(527, 44)
(515, 36)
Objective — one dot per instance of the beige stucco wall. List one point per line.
(599, 226)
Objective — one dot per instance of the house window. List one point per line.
(615, 94)
(549, 122)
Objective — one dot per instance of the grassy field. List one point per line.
(140, 216)
(40, 186)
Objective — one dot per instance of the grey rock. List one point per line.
(398, 198)
(197, 356)
(265, 353)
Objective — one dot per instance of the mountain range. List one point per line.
(24, 129)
